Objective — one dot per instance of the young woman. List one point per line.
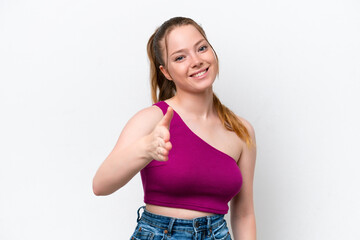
(193, 153)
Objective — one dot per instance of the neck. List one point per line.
(199, 106)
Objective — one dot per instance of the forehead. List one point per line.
(182, 37)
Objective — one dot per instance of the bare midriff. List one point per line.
(176, 212)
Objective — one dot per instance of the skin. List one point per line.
(141, 141)
(195, 95)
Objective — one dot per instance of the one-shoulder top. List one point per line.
(196, 176)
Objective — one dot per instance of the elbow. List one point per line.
(102, 189)
(103, 184)
(96, 192)
(97, 189)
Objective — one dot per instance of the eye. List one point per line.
(202, 48)
(179, 58)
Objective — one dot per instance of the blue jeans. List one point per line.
(157, 227)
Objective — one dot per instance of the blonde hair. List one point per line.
(162, 89)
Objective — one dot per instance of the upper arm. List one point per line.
(140, 125)
(242, 203)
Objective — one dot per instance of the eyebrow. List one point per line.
(181, 50)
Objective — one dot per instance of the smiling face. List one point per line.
(189, 59)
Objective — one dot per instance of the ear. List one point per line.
(165, 72)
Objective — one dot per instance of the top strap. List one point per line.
(162, 105)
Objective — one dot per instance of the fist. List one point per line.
(159, 138)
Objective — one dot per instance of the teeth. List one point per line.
(200, 73)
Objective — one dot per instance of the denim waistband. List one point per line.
(170, 223)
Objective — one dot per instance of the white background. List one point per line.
(74, 72)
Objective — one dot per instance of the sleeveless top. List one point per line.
(196, 175)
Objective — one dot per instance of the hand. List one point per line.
(159, 138)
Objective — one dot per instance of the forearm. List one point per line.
(120, 167)
(244, 227)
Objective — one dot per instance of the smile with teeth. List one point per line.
(200, 73)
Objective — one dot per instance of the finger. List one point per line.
(159, 151)
(162, 157)
(165, 135)
(161, 143)
(164, 152)
(168, 146)
(165, 121)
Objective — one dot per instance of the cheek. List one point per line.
(178, 69)
(211, 57)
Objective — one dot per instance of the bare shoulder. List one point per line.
(248, 155)
(140, 124)
(248, 126)
(145, 118)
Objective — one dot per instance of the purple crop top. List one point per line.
(196, 176)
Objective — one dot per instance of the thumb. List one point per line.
(165, 121)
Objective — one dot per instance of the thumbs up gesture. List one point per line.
(159, 138)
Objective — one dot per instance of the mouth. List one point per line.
(200, 73)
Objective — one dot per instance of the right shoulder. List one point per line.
(139, 125)
(147, 116)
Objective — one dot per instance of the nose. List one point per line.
(196, 61)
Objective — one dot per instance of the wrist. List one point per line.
(144, 148)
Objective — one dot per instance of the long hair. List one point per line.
(162, 89)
